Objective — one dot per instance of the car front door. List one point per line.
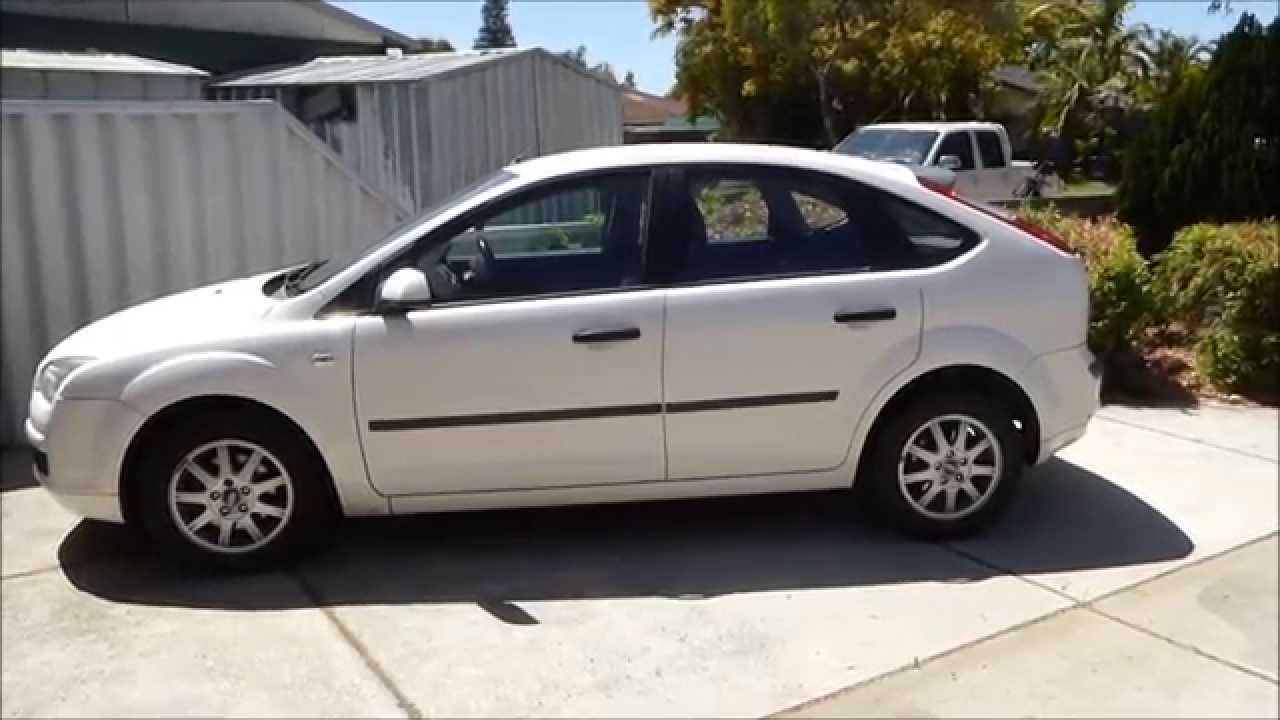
(538, 362)
(996, 178)
(959, 144)
(792, 303)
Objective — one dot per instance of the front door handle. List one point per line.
(603, 336)
(862, 316)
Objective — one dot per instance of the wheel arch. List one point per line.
(970, 378)
(154, 427)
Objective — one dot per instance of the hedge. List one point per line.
(1222, 283)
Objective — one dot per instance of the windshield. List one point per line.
(895, 145)
(318, 272)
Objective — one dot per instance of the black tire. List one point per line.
(313, 509)
(888, 447)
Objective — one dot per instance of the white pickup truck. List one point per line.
(977, 152)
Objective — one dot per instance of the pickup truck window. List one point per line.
(991, 148)
(957, 143)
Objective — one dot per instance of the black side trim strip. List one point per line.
(514, 417)
(600, 412)
(750, 402)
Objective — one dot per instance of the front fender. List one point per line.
(197, 374)
(315, 397)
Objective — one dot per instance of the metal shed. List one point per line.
(418, 127)
(41, 75)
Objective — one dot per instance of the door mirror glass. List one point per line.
(950, 162)
(405, 287)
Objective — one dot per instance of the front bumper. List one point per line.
(79, 453)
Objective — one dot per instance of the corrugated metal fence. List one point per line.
(109, 204)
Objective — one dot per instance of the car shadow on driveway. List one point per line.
(1065, 519)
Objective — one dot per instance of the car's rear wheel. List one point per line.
(946, 465)
(233, 489)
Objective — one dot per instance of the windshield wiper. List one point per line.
(297, 275)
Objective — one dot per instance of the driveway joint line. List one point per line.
(1091, 604)
(918, 663)
(1198, 441)
(29, 573)
(402, 700)
(1179, 644)
(1074, 605)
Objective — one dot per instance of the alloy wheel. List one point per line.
(949, 467)
(230, 496)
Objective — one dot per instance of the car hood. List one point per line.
(193, 316)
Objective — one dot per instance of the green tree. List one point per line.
(578, 56)
(807, 71)
(1092, 63)
(1168, 59)
(495, 27)
(629, 80)
(1211, 150)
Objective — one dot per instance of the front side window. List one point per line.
(957, 143)
(991, 148)
(581, 235)
(322, 269)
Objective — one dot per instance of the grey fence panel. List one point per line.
(107, 204)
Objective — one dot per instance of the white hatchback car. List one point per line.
(617, 324)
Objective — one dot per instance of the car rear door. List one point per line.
(786, 313)
(537, 367)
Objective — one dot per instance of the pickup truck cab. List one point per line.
(978, 153)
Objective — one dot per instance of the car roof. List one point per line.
(624, 156)
(937, 126)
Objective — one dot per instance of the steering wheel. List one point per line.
(482, 263)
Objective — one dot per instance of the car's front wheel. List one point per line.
(946, 465)
(233, 489)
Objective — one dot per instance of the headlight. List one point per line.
(51, 377)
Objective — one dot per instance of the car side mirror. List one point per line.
(406, 287)
(940, 177)
(950, 162)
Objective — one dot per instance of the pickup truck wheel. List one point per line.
(233, 490)
(946, 466)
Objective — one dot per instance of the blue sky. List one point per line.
(619, 31)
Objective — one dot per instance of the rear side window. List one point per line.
(991, 148)
(734, 211)
(747, 222)
(957, 143)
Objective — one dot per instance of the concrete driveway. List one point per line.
(1136, 575)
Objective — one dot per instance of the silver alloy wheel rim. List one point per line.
(230, 496)
(950, 467)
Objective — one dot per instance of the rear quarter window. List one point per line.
(933, 239)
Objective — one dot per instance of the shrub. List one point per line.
(1222, 284)
(1118, 275)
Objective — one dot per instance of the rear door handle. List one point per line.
(862, 316)
(603, 336)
